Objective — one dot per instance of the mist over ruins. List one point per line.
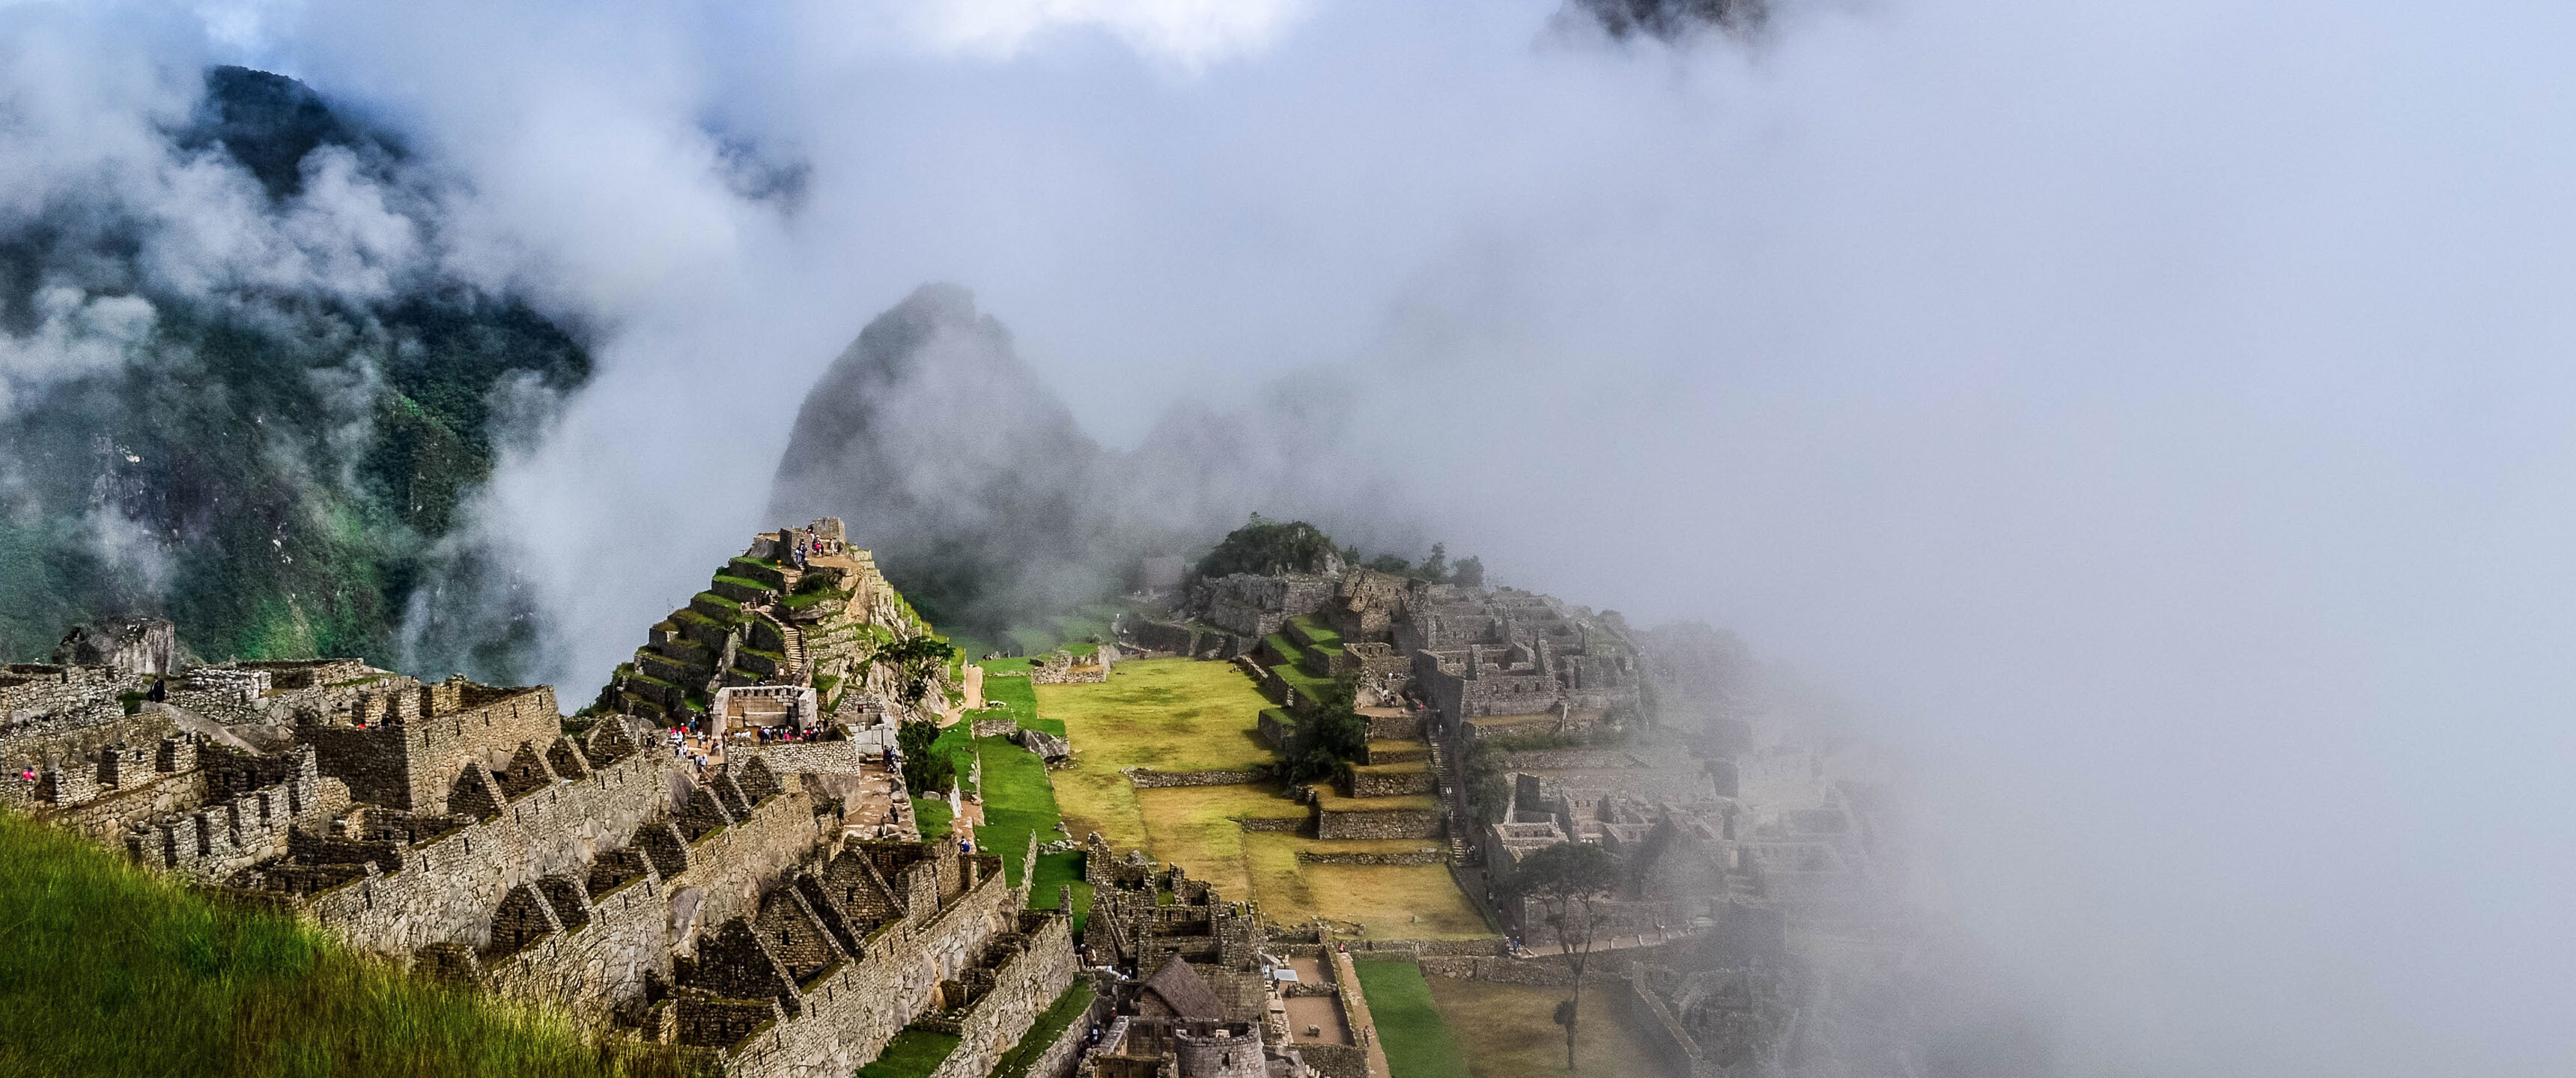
(1287, 539)
(1161, 802)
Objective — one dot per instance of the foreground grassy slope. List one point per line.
(106, 969)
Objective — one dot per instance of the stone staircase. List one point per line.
(1445, 779)
(795, 639)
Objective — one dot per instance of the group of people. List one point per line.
(812, 547)
(687, 746)
(689, 741)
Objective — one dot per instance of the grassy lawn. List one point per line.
(931, 814)
(1333, 801)
(1001, 666)
(1017, 802)
(1193, 825)
(110, 970)
(1180, 714)
(1394, 901)
(1066, 1009)
(1019, 796)
(1507, 1030)
(1167, 714)
(1307, 685)
(1288, 650)
(1417, 1042)
(911, 1054)
(1016, 698)
(1055, 872)
(1315, 632)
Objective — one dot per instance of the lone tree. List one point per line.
(1567, 880)
(1332, 736)
(916, 660)
(925, 772)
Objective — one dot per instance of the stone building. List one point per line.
(800, 608)
(752, 910)
(1198, 998)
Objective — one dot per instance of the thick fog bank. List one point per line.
(2152, 418)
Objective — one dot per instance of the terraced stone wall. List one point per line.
(1398, 823)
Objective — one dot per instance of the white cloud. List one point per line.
(1190, 34)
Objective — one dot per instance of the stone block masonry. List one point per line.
(830, 1021)
(251, 811)
(1394, 780)
(1396, 823)
(1144, 778)
(1022, 988)
(454, 826)
(411, 761)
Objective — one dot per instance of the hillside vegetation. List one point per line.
(106, 969)
(271, 462)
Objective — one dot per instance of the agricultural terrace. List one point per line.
(1187, 715)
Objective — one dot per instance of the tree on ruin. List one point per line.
(1329, 739)
(1568, 880)
(916, 660)
(925, 771)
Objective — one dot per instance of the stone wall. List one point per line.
(1192, 641)
(63, 740)
(1256, 606)
(1663, 1034)
(599, 957)
(1272, 730)
(1415, 857)
(1416, 752)
(30, 689)
(1023, 988)
(1566, 760)
(1148, 779)
(446, 886)
(996, 727)
(1398, 782)
(1064, 1053)
(805, 757)
(237, 824)
(1394, 727)
(1692, 783)
(1335, 1060)
(411, 762)
(845, 1015)
(1396, 823)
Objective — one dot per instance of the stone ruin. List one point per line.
(1490, 661)
(741, 912)
(1197, 999)
(1731, 825)
(796, 617)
